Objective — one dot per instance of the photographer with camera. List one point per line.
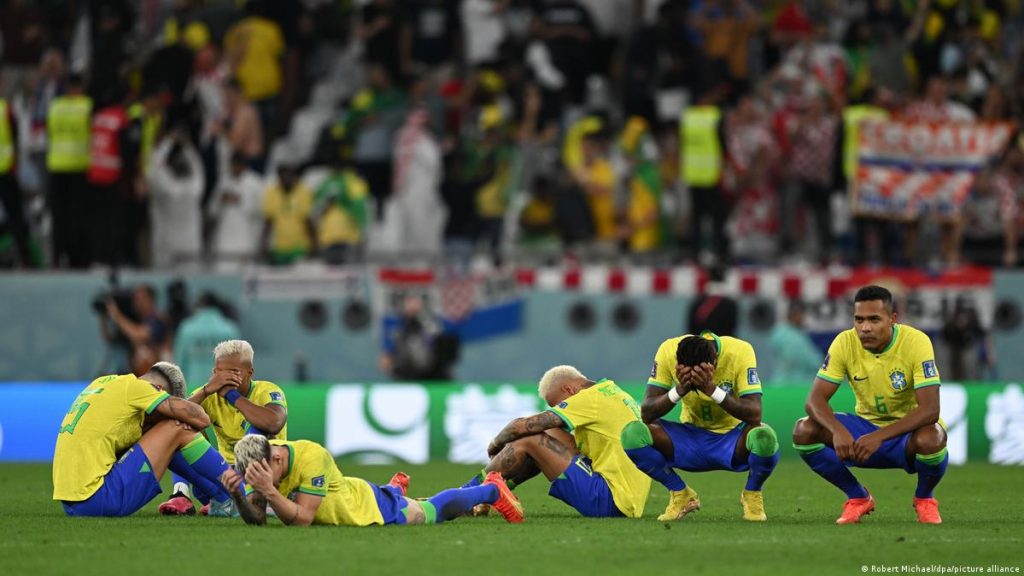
(141, 325)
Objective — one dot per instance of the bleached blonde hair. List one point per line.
(239, 348)
(554, 377)
(251, 448)
(175, 378)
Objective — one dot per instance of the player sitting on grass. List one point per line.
(598, 480)
(891, 368)
(120, 436)
(237, 405)
(303, 486)
(720, 424)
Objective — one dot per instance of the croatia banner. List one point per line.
(908, 169)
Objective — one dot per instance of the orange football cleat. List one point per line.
(401, 481)
(508, 505)
(927, 510)
(178, 505)
(855, 509)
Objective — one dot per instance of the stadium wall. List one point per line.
(453, 422)
(49, 331)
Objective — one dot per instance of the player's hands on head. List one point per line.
(232, 481)
(260, 477)
(842, 443)
(865, 446)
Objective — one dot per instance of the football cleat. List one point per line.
(855, 509)
(401, 481)
(680, 504)
(178, 505)
(927, 510)
(753, 506)
(225, 509)
(508, 505)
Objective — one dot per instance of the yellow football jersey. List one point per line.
(735, 372)
(311, 470)
(883, 383)
(229, 425)
(104, 421)
(596, 417)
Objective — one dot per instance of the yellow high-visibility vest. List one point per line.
(852, 117)
(150, 130)
(67, 128)
(700, 147)
(6, 140)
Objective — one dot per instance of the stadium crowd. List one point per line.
(162, 133)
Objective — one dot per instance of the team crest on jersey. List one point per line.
(318, 482)
(563, 405)
(930, 371)
(752, 376)
(276, 396)
(898, 379)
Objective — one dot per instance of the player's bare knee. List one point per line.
(806, 431)
(929, 439)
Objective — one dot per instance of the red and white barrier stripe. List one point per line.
(807, 284)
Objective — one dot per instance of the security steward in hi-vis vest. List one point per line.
(703, 158)
(67, 160)
(10, 191)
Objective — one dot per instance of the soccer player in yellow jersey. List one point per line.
(120, 436)
(891, 368)
(720, 424)
(589, 469)
(303, 485)
(237, 406)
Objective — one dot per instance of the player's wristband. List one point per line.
(673, 395)
(718, 395)
(232, 396)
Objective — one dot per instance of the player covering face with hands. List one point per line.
(238, 405)
(303, 485)
(719, 428)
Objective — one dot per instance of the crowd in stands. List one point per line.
(160, 133)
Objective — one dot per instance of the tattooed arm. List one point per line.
(520, 427)
(252, 509)
(184, 411)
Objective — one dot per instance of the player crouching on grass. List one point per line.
(720, 425)
(120, 436)
(237, 405)
(303, 486)
(891, 368)
(598, 480)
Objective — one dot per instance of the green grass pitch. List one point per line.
(982, 527)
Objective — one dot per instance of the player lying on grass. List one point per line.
(237, 405)
(303, 486)
(120, 436)
(891, 368)
(719, 426)
(598, 480)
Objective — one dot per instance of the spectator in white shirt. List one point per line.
(176, 187)
(235, 216)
